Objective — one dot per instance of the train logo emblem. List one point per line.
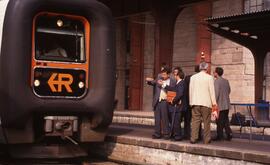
(60, 80)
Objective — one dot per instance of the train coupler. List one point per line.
(63, 126)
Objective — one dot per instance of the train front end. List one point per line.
(57, 71)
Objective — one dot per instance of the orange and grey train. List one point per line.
(57, 70)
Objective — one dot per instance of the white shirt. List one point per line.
(163, 93)
(202, 90)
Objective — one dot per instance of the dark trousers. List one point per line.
(161, 119)
(186, 115)
(176, 125)
(223, 123)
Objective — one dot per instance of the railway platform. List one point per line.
(133, 143)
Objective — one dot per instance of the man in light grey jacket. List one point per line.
(222, 92)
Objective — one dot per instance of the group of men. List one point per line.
(196, 96)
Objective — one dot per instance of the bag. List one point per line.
(170, 96)
(238, 119)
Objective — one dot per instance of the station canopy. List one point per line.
(251, 30)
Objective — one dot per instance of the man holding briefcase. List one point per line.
(160, 104)
(178, 103)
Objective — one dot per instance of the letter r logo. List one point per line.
(60, 80)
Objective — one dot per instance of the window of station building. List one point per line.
(266, 4)
(59, 39)
(256, 5)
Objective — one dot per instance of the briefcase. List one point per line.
(170, 96)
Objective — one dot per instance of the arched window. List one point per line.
(266, 4)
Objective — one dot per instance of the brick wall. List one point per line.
(149, 53)
(267, 77)
(227, 7)
(184, 48)
(237, 61)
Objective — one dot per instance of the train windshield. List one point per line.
(59, 39)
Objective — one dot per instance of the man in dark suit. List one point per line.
(187, 113)
(222, 91)
(160, 104)
(179, 103)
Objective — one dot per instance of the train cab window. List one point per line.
(59, 39)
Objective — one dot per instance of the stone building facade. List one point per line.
(237, 61)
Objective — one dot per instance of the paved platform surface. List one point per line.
(237, 149)
(146, 114)
(147, 118)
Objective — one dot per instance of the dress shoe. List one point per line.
(166, 137)
(229, 137)
(200, 138)
(177, 138)
(186, 138)
(207, 142)
(156, 137)
(217, 139)
(193, 142)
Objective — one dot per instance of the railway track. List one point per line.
(87, 160)
(77, 161)
(26, 157)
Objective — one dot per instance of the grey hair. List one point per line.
(203, 66)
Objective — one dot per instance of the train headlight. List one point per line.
(60, 23)
(36, 83)
(81, 84)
